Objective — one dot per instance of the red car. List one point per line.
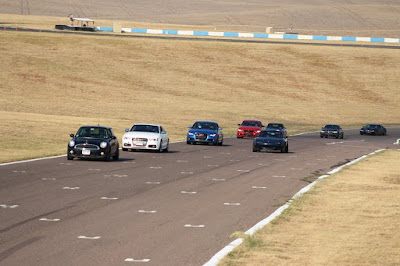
(249, 128)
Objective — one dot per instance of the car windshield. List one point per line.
(205, 125)
(251, 124)
(92, 132)
(271, 134)
(332, 127)
(145, 128)
(279, 126)
(372, 126)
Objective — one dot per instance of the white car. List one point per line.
(145, 137)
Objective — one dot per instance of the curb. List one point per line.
(223, 252)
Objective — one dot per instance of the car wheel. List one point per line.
(255, 150)
(167, 148)
(361, 133)
(69, 157)
(342, 136)
(222, 141)
(287, 148)
(116, 155)
(188, 142)
(160, 149)
(239, 137)
(124, 149)
(108, 157)
(337, 136)
(321, 136)
(216, 143)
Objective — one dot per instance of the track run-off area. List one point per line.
(176, 208)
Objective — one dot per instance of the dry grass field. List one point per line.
(350, 218)
(53, 83)
(370, 18)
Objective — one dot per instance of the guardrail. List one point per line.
(255, 35)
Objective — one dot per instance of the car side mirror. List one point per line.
(126, 130)
(72, 135)
(220, 128)
(163, 132)
(113, 137)
(189, 126)
(238, 124)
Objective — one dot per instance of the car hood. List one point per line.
(203, 131)
(330, 129)
(250, 128)
(138, 134)
(89, 141)
(268, 140)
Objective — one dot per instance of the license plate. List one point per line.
(85, 152)
(139, 143)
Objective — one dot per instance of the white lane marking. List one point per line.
(4, 206)
(155, 167)
(241, 150)
(120, 175)
(186, 173)
(321, 159)
(213, 165)
(136, 260)
(255, 187)
(105, 198)
(181, 161)
(143, 211)
(33, 160)
(49, 220)
(45, 178)
(263, 164)
(332, 143)
(234, 160)
(157, 157)
(89, 237)
(71, 188)
(188, 192)
(397, 142)
(107, 175)
(16, 171)
(208, 157)
(224, 153)
(195, 226)
(94, 169)
(282, 160)
(218, 179)
(253, 156)
(65, 163)
(331, 156)
(296, 168)
(129, 162)
(231, 204)
(293, 156)
(278, 176)
(153, 183)
(244, 171)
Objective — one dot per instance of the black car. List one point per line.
(278, 126)
(271, 139)
(332, 131)
(97, 142)
(373, 129)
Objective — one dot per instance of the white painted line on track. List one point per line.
(49, 179)
(256, 187)
(129, 162)
(278, 176)
(155, 167)
(181, 161)
(293, 156)
(94, 169)
(136, 260)
(218, 179)
(263, 164)
(225, 153)
(188, 192)
(153, 183)
(195, 226)
(105, 198)
(49, 220)
(120, 175)
(213, 165)
(296, 169)
(16, 171)
(397, 142)
(33, 160)
(143, 211)
(234, 160)
(231, 246)
(71, 188)
(244, 171)
(4, 206)
(321, 159)
(186, 173)
(65, 163)
(208, 157)
(231, 204)
(281, 160)
(89, 237)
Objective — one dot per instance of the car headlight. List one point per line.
(103, 145)
(322, 131)
(213, 135)
(154, 139)
(240, 130)
(335, 132)
(71, 143)
(190, 134)
(258, 131)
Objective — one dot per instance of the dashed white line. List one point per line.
(4, 206)
(89, 237)
(231, 204)
(143, 211)
(49, 220)
(120, 175)
(188, 192)
(105, 198)
(181, 161)
(224, 153)
(94, 169)
(244, 171)
(213, 165)
(263, 164)
(71, 188)
(256, 187)
(208, 157)
(136, 260)
(186, 173)
(218, 179)
(195, 226)
(155, 167)
(16, 171)
(153, 183)
(48, 179)
(278, 176)
(129, 162)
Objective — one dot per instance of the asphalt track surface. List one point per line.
(209, 39)
(176, 208)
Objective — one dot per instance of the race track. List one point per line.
(176, 208)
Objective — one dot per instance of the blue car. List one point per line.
(205, 132)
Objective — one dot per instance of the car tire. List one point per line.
(69, 157)
(188, 142)
(124, 149)
(221, 143)
(321, 136)
(108, 157)
(361, 133)
(116, 155)
(256, 150)
(160, 149)
(239, 137)
(216, 143)
(167, 148)
(342, 136)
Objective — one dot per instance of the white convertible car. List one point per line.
(145, 137)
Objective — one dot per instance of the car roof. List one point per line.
(98, 126)
(206, 122)
(373, 125)
(251, 120)
(329, 125)
(145, 124)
